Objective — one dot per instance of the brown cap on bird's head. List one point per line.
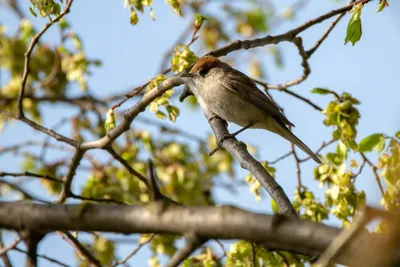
(205, 63)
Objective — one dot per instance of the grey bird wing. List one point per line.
(250, 92)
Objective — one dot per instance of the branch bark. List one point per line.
(277, 232)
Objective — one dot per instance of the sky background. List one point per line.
(131, 55)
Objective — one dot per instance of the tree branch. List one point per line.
(80, 248)
(128, 167)
(130, 114)
(31, 174)
(239, 151)
(73, 166)
(224, 222)
(35, 40)
(124, 260)
(288, 36)
(193, 242)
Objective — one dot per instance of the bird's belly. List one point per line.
(238, 111)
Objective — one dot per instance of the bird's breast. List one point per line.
(230, 106)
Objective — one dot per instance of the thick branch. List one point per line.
(239, 151)
(224, 222)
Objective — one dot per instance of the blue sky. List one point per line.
(131, 55)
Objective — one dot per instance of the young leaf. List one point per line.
(369, 142)
(398, 134)
(32, 12)
(354, 29)
(199, 20)
(320, 91)
(381, 145)
(382, 5)
(110, 120)
(134, 18)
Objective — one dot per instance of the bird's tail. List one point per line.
(288, 135)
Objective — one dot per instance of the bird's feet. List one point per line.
(226, 136)
(219, 143)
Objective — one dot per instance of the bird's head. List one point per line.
(204, 67)
(206, 70)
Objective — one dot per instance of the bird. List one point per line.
(234, 97)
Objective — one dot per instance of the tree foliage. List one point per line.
(40, 72)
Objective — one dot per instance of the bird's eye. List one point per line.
(203, 72)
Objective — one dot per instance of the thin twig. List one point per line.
(130, 255)
(35, 40)
(288, 36)
(44, 257)
(325, 35)
(323, 145)
(31, 174)
(67, 181)
(280, 158)
(298, 169)
(156, 193)
(354, 176)
(375, 172)
(4, 250)
(42, 129)
(80, 248)
(193, 242)
(128, 167)
(315, 106)
(298, 42)
(25, 194)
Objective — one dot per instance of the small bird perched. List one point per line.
(234, 97)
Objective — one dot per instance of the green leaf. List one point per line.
(381, 145)
(152, 15)
(354, 29)
(199, 20)
(274, 207)
(160, 115)
(382, 5)
(32, 12)
(369, 142)
(320, 91)
(398, 134)
(110, 120)
(134, 19)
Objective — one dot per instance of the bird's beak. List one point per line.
(188, 75)
(185, 93)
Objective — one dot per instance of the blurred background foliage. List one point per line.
(185, 172)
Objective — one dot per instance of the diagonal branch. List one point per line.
(239, 151)
(42, 129)
(35, 40)
(67, 180)
(325, 35)
(288, 36)
(130, 114)
(193, 242)
(80, 248)
(11, 246)
(129, 168)
(124, 260)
